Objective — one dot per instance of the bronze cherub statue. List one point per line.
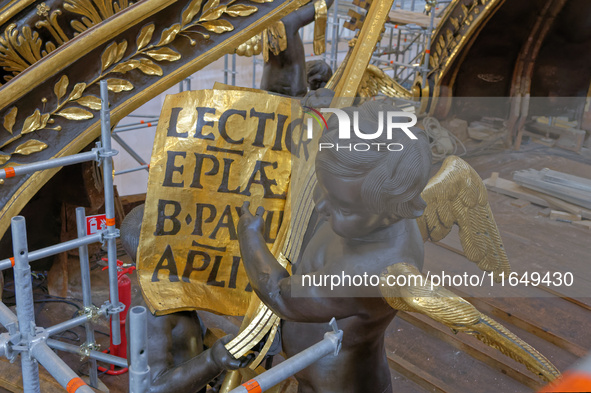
(375, 209)
(177, 357)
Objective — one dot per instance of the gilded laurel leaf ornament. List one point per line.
(126, 66)
(241, 10)
(145, 36)
(148, 67)
(208, 19)
(164, 54)
(32, 122)
(190, 12)
(218, 26)
(4, 159)
(212, 14)
(75, 113)
(209, 5)
(169, 34)
(60, 87)
(91, 102)
(118, 85)
(29, 147)
(108, 56)
(10, 119)
(77, 91)
(39, 121)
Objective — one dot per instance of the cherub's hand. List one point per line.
(250, 223)
(320, 98)
(224, 360)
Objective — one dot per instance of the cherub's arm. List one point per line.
(273, 284)
(194, 373)
(197, 372)
(302, 16)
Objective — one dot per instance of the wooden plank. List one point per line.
(403, 17)
(12, 379)
(563, 216)
(416, 374)
(568, 299)
(512, 189)
(438, 365)
(586, 224)
(509, 188)
(516, 319)
(533, 179)
(521, 321)
(566, 179)
(531, 307)
(520, 203)
(474, 348)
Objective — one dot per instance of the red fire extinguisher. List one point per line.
(124, 286)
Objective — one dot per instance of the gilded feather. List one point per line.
(457, 195)
(376, 81)
(458, 314)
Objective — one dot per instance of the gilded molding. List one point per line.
(461, 24)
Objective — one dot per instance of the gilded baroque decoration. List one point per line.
(461, 22)
(75, 106)
(20, 49)
(377, 81)
(274, 38)
(452, 31)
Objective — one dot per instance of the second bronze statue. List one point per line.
(285, 71)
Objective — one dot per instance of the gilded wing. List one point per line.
(453, 311)
(375, 81)
(457, 195)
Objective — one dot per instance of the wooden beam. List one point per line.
(512, 189)
(521, 322)
(478, 351)
(416, 374)
(402, 17)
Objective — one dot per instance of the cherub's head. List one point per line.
(364, 191)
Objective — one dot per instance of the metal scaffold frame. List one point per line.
(34, 344)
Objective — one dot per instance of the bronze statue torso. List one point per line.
(361, 366)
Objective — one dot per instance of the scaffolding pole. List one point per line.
(48, 164)
(139, 370)
(112, 232)
(331, 344)
(58, 369)
(93, 355)
(24, 299)
(86, 293)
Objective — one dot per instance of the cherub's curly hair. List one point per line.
(392, 181)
